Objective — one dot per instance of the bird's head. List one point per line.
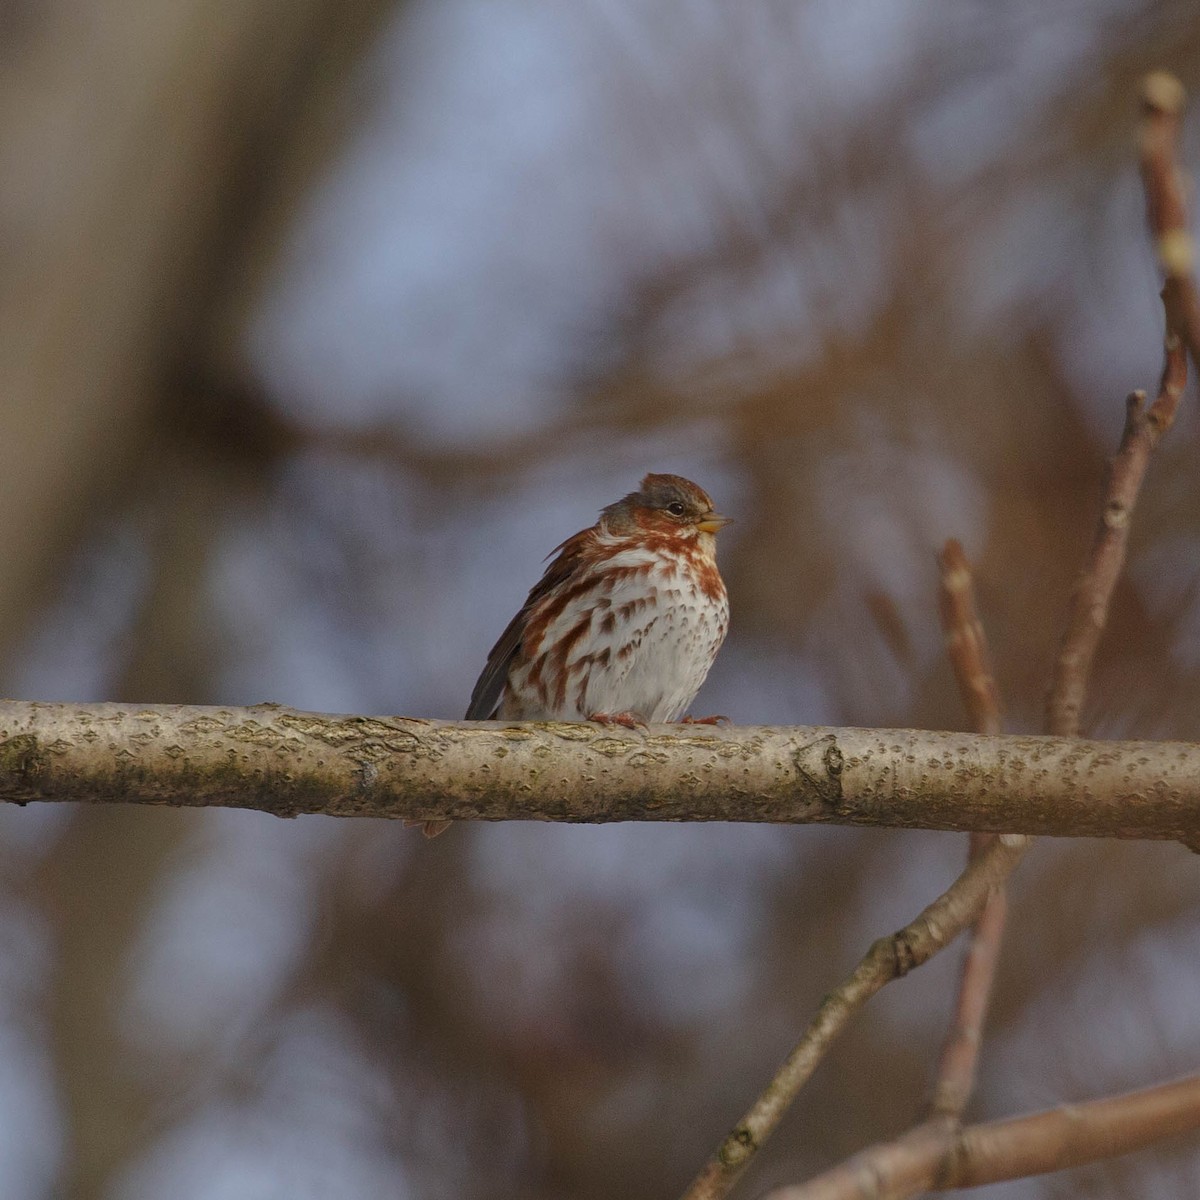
(665, 504)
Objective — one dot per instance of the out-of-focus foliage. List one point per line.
(321, 323)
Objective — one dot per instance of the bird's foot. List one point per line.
(629, 720)
(717, 720)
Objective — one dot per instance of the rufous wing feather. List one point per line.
(489, 688)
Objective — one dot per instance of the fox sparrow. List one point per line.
(623, 625)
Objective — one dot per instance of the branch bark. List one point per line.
(286, 762)
(281, 761)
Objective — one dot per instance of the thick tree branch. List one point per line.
(285, 762)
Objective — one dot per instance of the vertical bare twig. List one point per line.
(1089, 603)
(1144, 427)
(960, 1052)
(966, 643)
(1163, 101)
(969, 656)
(1069, 1136)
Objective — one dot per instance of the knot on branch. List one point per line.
(820, 766)
(904, 954)
(23, 761)
(738, 1147)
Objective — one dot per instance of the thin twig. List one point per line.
(1144, 428)
(969, 656)
(960, 1052)
(966, 643)
(889, 958)
(1093, 590)
(1163, 100)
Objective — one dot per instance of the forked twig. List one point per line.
(967, 646)
(937, 1153)
(889, 958)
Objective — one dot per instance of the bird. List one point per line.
(624, 623)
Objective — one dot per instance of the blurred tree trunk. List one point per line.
(98, 888)
(138, 141)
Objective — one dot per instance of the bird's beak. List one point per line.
(711, 522)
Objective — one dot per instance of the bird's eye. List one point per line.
(675, 508)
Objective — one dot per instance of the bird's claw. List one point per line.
(721, 719)
(429, 828)
(628, 720)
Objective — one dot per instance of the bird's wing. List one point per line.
(485, 699)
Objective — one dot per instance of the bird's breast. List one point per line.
(637, 631)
